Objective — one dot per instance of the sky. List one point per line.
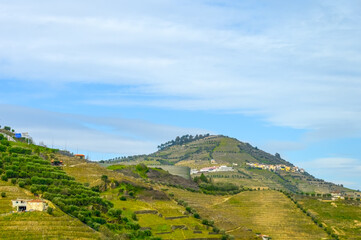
(118, 78)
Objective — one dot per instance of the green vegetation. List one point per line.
(165, 218)
(87, 201)
(37, 175)
(267, 212)
(182, 140)
(341, 218)
(117, 167)
(209, 187)
(41, 225)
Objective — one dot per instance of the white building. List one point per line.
(224, 169)
(22, 205)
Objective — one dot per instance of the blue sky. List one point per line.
(119, 78)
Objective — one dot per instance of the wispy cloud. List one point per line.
(117, 136)
(341, 170)
(292, 69)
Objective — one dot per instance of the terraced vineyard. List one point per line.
(41, 225)
(341, 217)
(89, 173)
(12, 192)
(267, 212)
(36, 225)
(166, 219)
(231, 152)
(137, 205)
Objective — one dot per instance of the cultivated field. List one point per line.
(343, 217)
(41, 225)
(37, 225)
(159, 217)
(266, 212)
(12, 192)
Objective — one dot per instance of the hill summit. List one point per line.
(252, 167)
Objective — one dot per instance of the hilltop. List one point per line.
(253, 167)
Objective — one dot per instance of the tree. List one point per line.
(21, 184)
(4, 178)
(50, 210)
(203, 178)
(104, 178)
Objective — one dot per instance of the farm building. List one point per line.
(22, 205)
(80, 156)
(56, 162)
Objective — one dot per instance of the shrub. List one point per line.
(3, 148)
(196, 215)
(5, 142)
(3, 194)
(50, 210)
(225, 237)
(10, 173)
(4, 178)
(205, 222)
(20, 150)
(189, 209)
(115, 212)
(123, 198)
(13, 181)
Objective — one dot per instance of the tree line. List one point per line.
(182, 140)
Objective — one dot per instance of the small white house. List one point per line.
(22, 205)
(224, 169)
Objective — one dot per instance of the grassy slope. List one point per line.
(12, 192)
(266, 212)
(40, 225)
(91, 173)
(37, 225)
(343, 218)
(226, 150)
(158, 223)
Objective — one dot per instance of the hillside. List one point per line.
(130, 200)
(220, 150)
(266, 212)
(89, 201)
(55, 226)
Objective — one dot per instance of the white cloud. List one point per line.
(292, 69)
(106, 135)
(335, 163)
(336, 169)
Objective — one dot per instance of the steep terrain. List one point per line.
(221, 150)
(35, 225)
(130, 200)
(266, 212)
